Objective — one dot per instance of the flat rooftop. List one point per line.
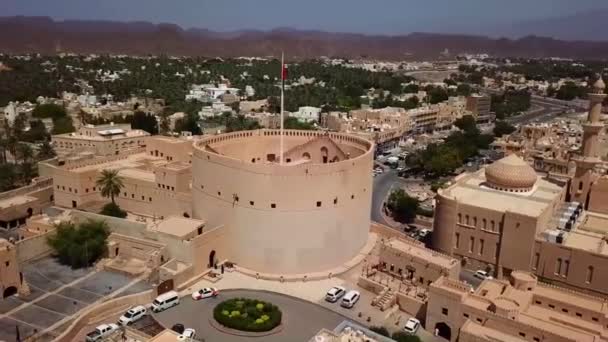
(165, 336)
(16, 200)
(178, 226)
(132, 161)
(586, 240)
(104, 137)
(487, 333)
(423, 253)
(469, 189)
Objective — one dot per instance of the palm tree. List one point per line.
(24, 151)
(46, 151)
(110, 183)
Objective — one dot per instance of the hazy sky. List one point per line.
(369, 16)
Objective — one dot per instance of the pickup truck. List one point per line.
(101, 332)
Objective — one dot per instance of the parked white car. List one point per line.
(350, 299)
(334, 294)
(132, 315)
(188, 335)
(206, 292)
(482, 275)
(411, 326)
(101, 332)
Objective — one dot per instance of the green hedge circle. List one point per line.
(247, 314)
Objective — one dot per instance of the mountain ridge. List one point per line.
(45, 35)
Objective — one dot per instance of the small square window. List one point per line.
(444, 311)
(538, 302)
(132, 195)
(202, 187)
(219, 193)
(143, 198)
(522, 334)
(565, 310)
(479, 320)
(536, 339)
(273, 205)
(150, 199)
(251, 202)
(552, 306)
(7, 263)
(466, 315)
(595, 319)
(318, 204)
(336, 200)
(578, 314)
(352, 196)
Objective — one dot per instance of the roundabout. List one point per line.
(299, 321)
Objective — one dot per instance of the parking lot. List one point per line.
(57, 292)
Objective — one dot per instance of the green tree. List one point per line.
(63, 125)
(502, 127)
(400, 336)
(49, 110)
(402, 206)
(464, 89)
(8, 176)
(110, 184)
(466, 123)
(79, 245)
(146, 122)
(294, 123)
(46, 151)
(380, 330)
(24, 152)
(27, 171)
(37, 132)
(112, 209)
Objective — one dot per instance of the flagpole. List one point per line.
(282, 103)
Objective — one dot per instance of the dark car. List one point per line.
(178, 328)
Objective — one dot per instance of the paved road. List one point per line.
(383, 183)
(542, 110)
(302, 319)
(467, 276)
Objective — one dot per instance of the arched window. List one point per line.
(459, 218)
(484, 223)
(492, 225)
(589, 276)
(466, 220)
(475, 221)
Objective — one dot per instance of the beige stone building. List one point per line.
(507, 218)
(518, 309)
(11, 279)
(319, 194)
(101, 140)
(409, 260)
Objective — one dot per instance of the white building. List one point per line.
(307, 114)
(10, 113)
(216, 108)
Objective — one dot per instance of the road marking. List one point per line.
(46, 295)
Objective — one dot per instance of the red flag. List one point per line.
(284, 72)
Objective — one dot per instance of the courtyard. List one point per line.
(57, 294)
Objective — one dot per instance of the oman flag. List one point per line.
(283, 72)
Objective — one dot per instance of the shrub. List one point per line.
(82, 245)
(401, 336)
(247, 315)
(112, 209)
(380, 331)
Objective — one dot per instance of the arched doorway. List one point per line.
(444, 330)
(324, 154)
(211, 258)
(9, 291)
(30, 212)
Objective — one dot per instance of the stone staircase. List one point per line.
(386, 299)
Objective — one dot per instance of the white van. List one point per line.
(165, 301)
(350, 298)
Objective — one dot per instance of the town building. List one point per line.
(102, 140)
(518, 308)
(307, 114)
(11, 279)
(479, 106)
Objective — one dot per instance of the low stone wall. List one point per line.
(33, 248)
(83, 319)
(413, 306)
(370, 285)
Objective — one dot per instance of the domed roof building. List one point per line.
(511, 174)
